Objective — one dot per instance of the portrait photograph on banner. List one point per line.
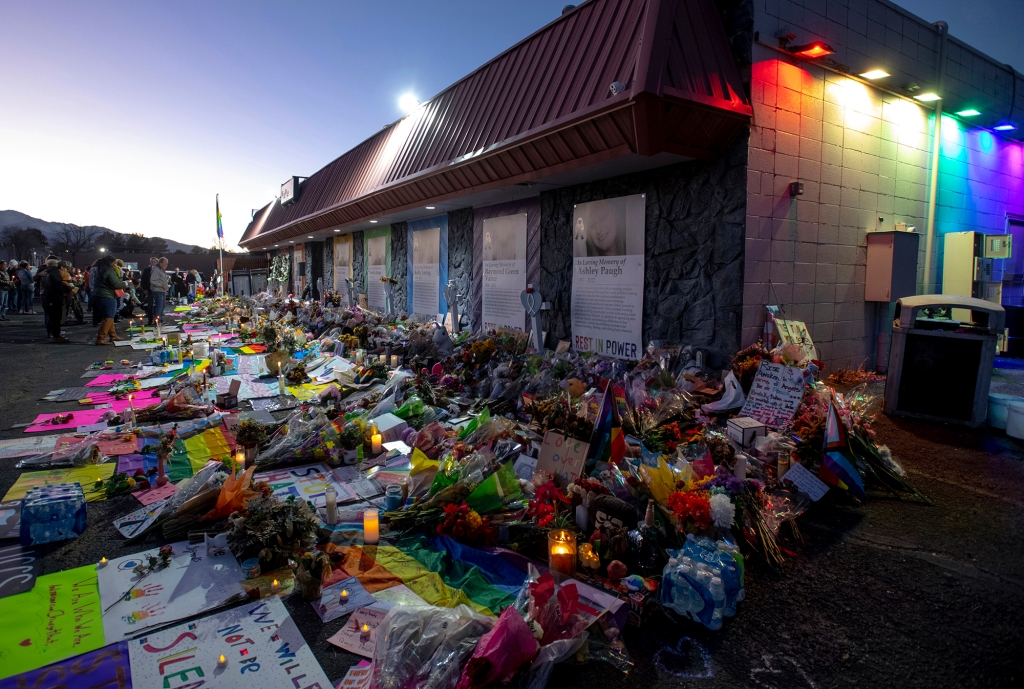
(376, 268)
(426, 272)
(342, 262)
(504, 272)
(608, 276)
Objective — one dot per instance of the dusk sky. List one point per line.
(133, 115)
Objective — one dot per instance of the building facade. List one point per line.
(707, 109)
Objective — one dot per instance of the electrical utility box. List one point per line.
(971, 265)
(892, 266)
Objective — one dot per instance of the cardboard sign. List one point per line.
(358, 676)
(775, 394)
(59, 618)
(262, 649)
(564, 457)
(190, 584)
(305, 483)
(18, 569)
(138, 521)
(805, 481)
(796, 333)
(351, 638)
(106, 667)
(525, 466)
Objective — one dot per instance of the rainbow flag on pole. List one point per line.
(220, 224)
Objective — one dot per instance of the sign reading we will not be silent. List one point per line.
(775, 394)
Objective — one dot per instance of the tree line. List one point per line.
(72, 240)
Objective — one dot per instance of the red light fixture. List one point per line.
(812, 50)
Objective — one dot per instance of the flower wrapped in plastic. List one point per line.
(303, 438)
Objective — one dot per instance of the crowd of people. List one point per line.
(108, 288)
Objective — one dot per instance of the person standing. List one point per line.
(147, 294)
(12, 291)
(56, 288)
(26, 288)
(105, 295)
(91, 280)
(190, 280)
(5, 288)
(158, 285)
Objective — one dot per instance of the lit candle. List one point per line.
(275, 586)
(103, 562)
(159, 332)
(562, 551)
(364, 632)
(280, 381)
(371, 527)
(394, 361)
(344, 596)
(131, 421)
(240, 459)
(375, 443)
(222, 661)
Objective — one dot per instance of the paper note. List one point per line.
(564, 457)
(805, 481)
(331, 606)
(156, 493)
(258, 635)
(775, 394)
(60, 617)
(136, 522)
(191, 584)
(18, 569)
(525, 467)
(398, 595)
(105, 667)
(351, 637)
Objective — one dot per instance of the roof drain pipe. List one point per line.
(929, 273)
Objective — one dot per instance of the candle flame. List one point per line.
(344, 593)
(560, 550)
(222, 659)
(365, 628)
(275, 583)
(103, 560)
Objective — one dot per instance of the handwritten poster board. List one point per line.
(262, 647)
(564, 457)
(350, 636)
(59, 618)
(305, 483)
(190, 584)
(107, 667)
(775, 394)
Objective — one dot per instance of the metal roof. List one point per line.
(541, 107)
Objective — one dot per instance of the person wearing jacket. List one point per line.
(104, 292)
(56, 288)
(26, 288)
(158, 285)
(90, 281)
(5, 287)
(146, 296)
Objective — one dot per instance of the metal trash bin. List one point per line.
(940, 369)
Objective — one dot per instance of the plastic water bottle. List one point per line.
(718, 594)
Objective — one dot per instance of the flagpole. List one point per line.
(220, 246)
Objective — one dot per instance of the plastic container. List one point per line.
(1015, 420)
(201, 350)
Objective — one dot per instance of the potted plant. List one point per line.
(311, 570)
(351, 439)
(250, 435)
(272, 529)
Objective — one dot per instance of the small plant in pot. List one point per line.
(272, 529)
(351, 439)
(250, 435)
(311, 570)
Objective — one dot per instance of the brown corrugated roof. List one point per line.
(543, 106)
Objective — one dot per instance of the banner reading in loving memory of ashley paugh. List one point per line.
(504, 266)
(608, 276)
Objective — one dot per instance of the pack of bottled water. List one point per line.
(703, 580)
(52, 513)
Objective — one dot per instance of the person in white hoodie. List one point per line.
(158, 286)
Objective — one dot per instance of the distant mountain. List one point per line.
(21, 220)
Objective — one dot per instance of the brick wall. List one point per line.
(860, 154)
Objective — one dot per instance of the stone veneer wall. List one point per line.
(400, 263)
(694, 250)
(358, 259)
(460, 257)
(328, 265)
